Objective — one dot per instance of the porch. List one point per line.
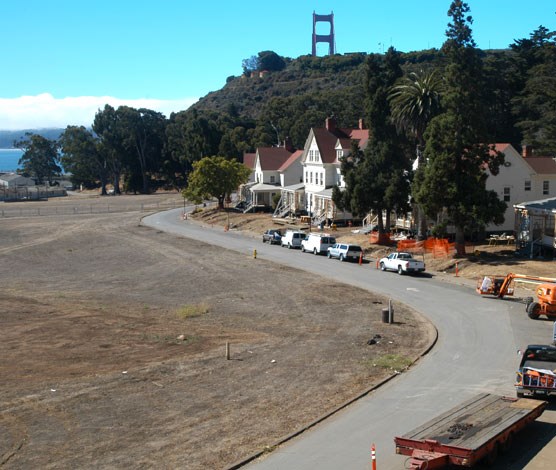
(292, 201)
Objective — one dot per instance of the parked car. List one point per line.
(272, 236)
(317, 243)
(402, 262)
(343, 251)
(292, 239)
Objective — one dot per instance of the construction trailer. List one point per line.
(474, 431)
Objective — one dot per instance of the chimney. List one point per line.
(526, 151)
(288, 145)
(361, 124)
(330, 124)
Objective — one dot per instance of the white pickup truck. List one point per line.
(401, 262)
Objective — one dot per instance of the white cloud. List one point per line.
(42, 111)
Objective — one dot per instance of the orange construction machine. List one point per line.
(501, 286)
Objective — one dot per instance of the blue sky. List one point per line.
(62, 60)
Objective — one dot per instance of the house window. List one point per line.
(527, 185)
(273, 179)
(339, 154)
(306, 176)
(311, 177)
(545, 188)
(506, 194)
(321, 179)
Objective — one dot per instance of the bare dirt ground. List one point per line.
(113, 340)
(113, 344)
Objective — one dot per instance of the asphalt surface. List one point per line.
(476, 352)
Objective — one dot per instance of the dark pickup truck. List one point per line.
(537, 371)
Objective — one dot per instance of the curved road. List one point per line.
(475, 352)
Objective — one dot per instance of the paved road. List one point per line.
(475, 352)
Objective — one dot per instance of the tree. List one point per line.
(142, 132)
(250, 64)
(378, 179)
(415, 100)
(269, 60)
(82, 158)
(106, 127)
(457, 149)
(215, 177)
(536, 105)
(40, 157)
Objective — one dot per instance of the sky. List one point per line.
(64, 60)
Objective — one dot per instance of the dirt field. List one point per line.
(113, 343)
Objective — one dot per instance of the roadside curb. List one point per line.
(283, 440)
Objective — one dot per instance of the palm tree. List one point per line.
(414, 101)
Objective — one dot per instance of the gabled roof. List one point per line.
(292, 158)
(272, 158)
(502, 147)
(542, 165)
(249, 160)
(326, 140)
(362, 135)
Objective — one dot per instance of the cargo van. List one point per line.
(317, 243)
(292, 239)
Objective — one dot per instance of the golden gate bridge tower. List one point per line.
(328, 38)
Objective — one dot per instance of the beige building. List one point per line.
(523, 177)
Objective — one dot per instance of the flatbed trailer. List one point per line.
(468, 433)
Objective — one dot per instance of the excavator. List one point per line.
(502, 286)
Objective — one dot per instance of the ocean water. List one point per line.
(9, 159)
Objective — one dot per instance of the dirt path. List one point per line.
(114, 338)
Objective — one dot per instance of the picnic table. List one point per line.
(501, 239)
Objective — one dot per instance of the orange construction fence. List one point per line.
(438, 247)
(380, 238)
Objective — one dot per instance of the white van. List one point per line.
(317, 243)
(292, 239)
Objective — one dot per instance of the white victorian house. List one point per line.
(273, 167)
(321, 161)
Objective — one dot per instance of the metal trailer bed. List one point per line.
(469, 432)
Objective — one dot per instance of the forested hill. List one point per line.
(338, 78)
(7, 138)
(302, 92)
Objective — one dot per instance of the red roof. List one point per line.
(501, 147)
(249, 160)
(292, 158)
(326, 140)
(542, 165)
(272, 158)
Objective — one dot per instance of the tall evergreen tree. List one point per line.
(536, 105)
(108, 130)
(377, 179)
(457, 148)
